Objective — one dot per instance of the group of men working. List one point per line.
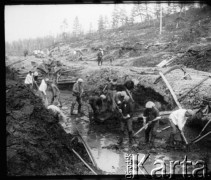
(121, 102)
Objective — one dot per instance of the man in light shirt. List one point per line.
(178, 120)
(29, 80)
(43, 88)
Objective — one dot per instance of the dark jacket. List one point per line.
(126, 108)
(95, 101)
(151, 113)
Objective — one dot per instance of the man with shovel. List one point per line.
(149, 114)
(177, 121)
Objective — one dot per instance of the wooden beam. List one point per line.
(171, 69)
(198, 84)
(170, 89)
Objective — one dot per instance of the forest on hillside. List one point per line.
(174, 17)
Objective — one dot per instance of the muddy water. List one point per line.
(111, 159)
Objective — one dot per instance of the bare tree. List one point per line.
(76, 27)
(64, 27)
(101, 26)
(115, 17)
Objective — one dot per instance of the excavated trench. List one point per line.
(102, 137)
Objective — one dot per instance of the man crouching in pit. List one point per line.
(149, 114)
(125, 108)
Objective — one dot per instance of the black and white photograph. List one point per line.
(108, 89)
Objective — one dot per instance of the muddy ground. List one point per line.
(110, 157)
(102, 137)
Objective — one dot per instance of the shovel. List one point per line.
(198, 138)
(156, 119)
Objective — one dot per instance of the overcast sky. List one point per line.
(31, 21)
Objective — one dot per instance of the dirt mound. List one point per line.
(36, 142)
(197, 57)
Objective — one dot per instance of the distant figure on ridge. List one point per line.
(100, 57)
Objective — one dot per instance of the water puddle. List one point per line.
(111, 159)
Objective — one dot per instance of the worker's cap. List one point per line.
(46, 79)
(100, 49)
(102, 96)
(36, 73)
(149, 104)
(80, 80)
(30, 71)
(190, 112)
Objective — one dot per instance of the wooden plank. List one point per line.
(198, 84)
(170, 89)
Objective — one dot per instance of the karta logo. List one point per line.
(136, 167)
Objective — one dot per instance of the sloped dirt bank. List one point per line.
(36, 142)
(198, 57)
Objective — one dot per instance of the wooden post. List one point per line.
(171, 90)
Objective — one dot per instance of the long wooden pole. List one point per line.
(200, 82)
(89, 152)
(202, 131)
(171, 90)
(201, 137)
(83, 161)
(87, 148)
